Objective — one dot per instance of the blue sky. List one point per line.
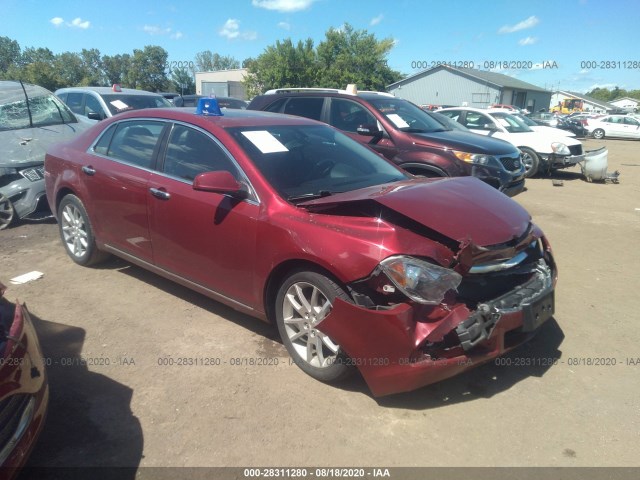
(583, 43)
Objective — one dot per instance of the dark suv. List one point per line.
(404, 133)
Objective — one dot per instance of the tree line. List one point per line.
(345, 56)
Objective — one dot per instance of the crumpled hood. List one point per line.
(462, 208)
(26, 147)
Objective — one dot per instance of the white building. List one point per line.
(590, 104)
(627, 104)
(222, 83)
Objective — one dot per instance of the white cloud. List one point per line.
(283, 5)
(527, 41)
(376, 20)
(231, 31)
(176, 36)
(530, 22)
(156, 30)
(79, 23)
(75, 23)
(284, 26)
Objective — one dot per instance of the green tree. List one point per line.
(282, 65)
(147, 70)
(69, 68)
(207, 61)
(355, 56)
(93, 74)
(115, 68)
(9, 53)
(37, 66)
(183, 81)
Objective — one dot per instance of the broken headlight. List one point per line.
(421, 281)
(560, 148)
(475, 158)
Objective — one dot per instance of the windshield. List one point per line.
(524, 119)
(406, 116)
(41, 108)
(511, 123)
(304, 162)
(449, 122)
(119, 103)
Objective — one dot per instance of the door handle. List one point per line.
(89, 170)
(161, 194)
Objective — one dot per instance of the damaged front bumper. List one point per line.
(402, 348)
(22, 193)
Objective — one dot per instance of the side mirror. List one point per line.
(491, 127)
(220, 182)
(94, 116)
(369, 130)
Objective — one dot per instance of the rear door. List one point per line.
(116, 178)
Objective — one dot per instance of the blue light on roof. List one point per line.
(208, 106)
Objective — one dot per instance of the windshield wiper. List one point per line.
(309, 196)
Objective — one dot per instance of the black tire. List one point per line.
(598, 133)
(7, 213)
(329, 363)
(531, 162)
(76, 232)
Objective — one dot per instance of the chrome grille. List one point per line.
(510, 163)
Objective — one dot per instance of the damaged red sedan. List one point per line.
(360, 265)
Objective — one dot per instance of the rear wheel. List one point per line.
(7, 212)
(598, 133)
(304, 299)
(531, 162)
(77, 233)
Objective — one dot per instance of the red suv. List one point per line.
(359, 264)
(404, 133)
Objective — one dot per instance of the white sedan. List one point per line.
(623, 126)
(541, 150)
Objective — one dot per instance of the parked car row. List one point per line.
(407, 135)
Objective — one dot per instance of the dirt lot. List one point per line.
(568, 398)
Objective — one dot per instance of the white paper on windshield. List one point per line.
(503, 122)
(119, 104)
(265, 142)
(398, 120)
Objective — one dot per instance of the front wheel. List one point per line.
(7, 212)
(303, 301)
(598, 133)
(531, 162)
(77, 233)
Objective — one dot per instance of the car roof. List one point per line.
(106, 91)
(230, 118)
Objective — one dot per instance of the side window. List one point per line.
(74, 102)
(305, 107)
(477, 121)
(631, 121)
(453, 115)
(191, 152)
(92, 105)
(135, 141)
(102, 145)
(276, 106)
(348, 116)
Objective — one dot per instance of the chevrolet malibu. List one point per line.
(358, 263)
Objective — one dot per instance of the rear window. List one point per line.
(119, 103)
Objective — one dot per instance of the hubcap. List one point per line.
(527, 161)
(74, 230)
(304, 307)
